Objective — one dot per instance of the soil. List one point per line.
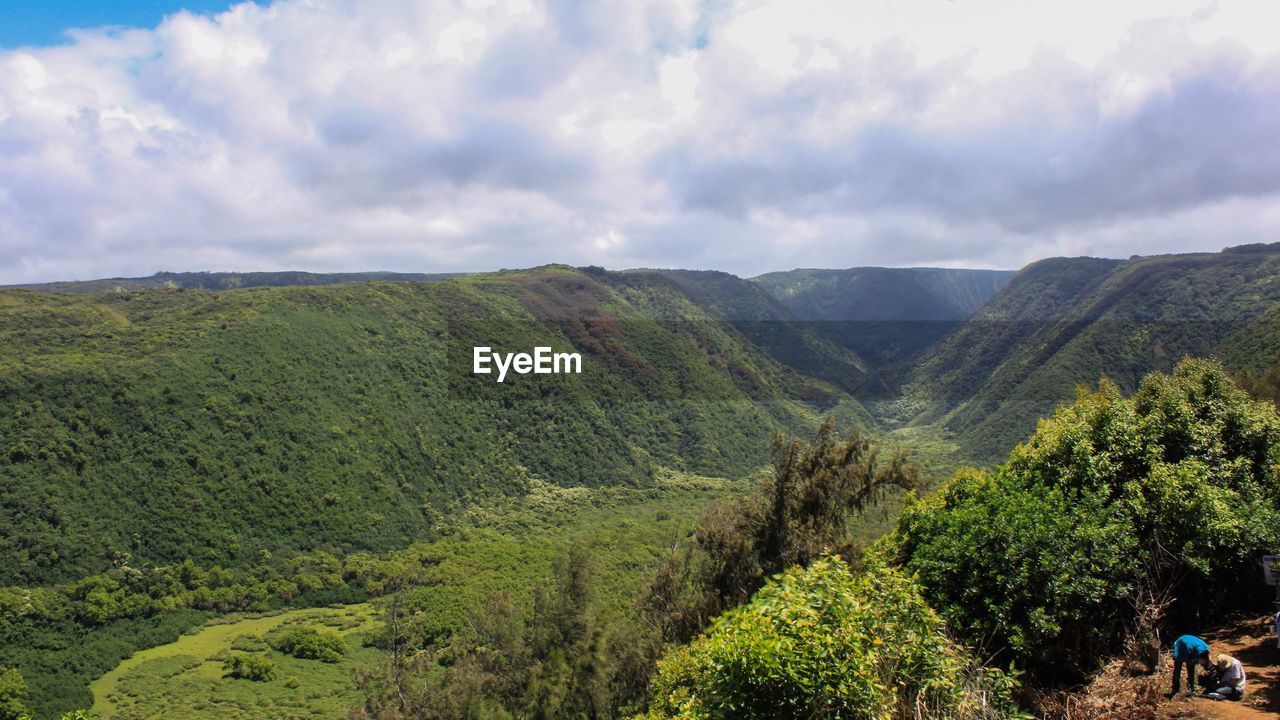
(1253, 644)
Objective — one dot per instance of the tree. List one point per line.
(307, 642)
(558, 661)
(807, 508)
(249, 667)
(13, 688)
(1114, 504)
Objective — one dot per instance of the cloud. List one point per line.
(432, 136)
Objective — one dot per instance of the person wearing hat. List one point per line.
(1188, 650)
(1230, 679)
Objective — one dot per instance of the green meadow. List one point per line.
(185, 678)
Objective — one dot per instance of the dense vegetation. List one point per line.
(812, 505)
(308, 642)
(61, 638)
(772, 327)
(1111, 521)
(189, 678)
(1064, 322)
(567, 654)
(872, 293)
(827, 642)
(148, 424)
(887, 317)
(171, 455)
(244, 666)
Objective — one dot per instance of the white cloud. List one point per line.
(336, 135)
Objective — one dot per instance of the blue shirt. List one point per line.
(1189, 647)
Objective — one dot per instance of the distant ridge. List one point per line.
(884, 294)
(887, 317)
(222, 281)
(976, 354)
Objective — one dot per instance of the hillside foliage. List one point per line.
(175, 425)
(168, 455)
(1068, 321)
(825, 641)
(810, 506)
(1113, 505)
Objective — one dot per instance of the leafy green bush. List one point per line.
(308, 643)
(825, 642)
(249, 667)
(1113, 509)
(12, 690)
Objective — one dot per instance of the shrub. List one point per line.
(1113, 506)
(308, 643)
(826, 642)
(248, 643)
(249, 667)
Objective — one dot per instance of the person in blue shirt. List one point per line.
(1188, 650)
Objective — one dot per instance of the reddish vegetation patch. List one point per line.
(556, 297)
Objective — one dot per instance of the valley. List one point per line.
(174, 456)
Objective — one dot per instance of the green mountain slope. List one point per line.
(214, 426)
(1253, 356)
(771, 326)
(1065, 322)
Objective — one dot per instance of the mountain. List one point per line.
(222, 281)
(884, 294)
(887, 317)
(1064, 322)
(1253, 354)
(173, 424)
(771, 326)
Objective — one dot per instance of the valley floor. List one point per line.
(185, 678)
(507, 545)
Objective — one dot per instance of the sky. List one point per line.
(28, 23)
(429, 136)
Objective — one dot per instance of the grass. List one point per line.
(185, 678)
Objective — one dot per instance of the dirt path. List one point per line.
(1254, 646)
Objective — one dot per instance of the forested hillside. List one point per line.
(1119, 524)
(773, 327)
(168, 454)
(173, 424)
(214, 426)
(1065, 322)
